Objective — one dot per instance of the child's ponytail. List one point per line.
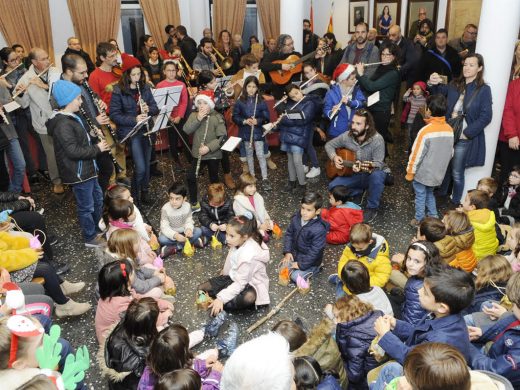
(245, 225)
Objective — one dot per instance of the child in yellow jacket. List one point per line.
(15, 252)
(372, 250)
(483, 221)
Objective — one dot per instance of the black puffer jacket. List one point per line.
(75, 153)
(123, 361)
(10, 201)
(219, 215)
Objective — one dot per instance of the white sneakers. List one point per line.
(313, 172)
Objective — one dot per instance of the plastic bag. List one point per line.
(215, 243)
(154, 243)
(277, 231)
(188, 249)
(283, 276)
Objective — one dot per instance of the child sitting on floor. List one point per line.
(433, 230)
(177, 222)
(458, 226)
(483, 221)
(372, 250)
(510, 201)
(120, 214)
(170, 351)
(319, 344)
(115, 282)
(216, 211)
(446, 292)
(308, 374)
(354, 335)
(513, 247)
(247, 198)
(149, 281)
(305, 238)
(243, 282)
(504, 354)
(341, 216)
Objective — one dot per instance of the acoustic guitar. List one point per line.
(281, 77)
(349, 162)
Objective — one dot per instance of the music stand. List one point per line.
(167, 99)
(136, 128)
(222, 81)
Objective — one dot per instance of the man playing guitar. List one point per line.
(368, 145)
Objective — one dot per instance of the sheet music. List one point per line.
(136, 128)
(373, 99)
(167, 99)
(11, 106)
(231, 144)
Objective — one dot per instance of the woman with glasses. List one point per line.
(470, 96)
(385, 80)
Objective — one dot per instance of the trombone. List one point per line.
(192, 74)
(227, 62)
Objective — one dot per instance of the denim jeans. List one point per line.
(207, 232)
(310, 154)
(243, 154)
(388, 373)
(311, 271)
(336, 281)
(358, 182)
(456, 171)
(424, 200)
(15, 154)
(89, 199)
(163, 240)
(141, 153)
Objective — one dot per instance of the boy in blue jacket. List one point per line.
(503, 357)
(305, 238)
(445, 293)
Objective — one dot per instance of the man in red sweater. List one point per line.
(102, 81)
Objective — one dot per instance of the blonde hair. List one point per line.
(350, 307)
(360, 233)
(245, 179)
(490, 183)
(513, 289)
(516, 229)
(122, 243)
(216, 193)
(456, 221)
(491, 270)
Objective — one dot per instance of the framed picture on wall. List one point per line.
(358, 12)
(414, 6)
(386, 13)
(460, 13)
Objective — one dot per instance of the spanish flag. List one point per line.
(330, 28)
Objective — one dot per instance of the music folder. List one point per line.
(136, 128)
(231, 144)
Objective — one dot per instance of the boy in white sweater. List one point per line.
(177, 223)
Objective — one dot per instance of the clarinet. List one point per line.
(96, 132)
(99, 108)
(143, 111)
(202, 143)
(251, 137)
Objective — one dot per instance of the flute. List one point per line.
(39, 75)
(96, 132)
(253, 126)
(199, 159)
(337, 107)
(285, 97)
(11, 71)
(270, 126)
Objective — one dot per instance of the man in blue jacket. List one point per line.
(503, 357)
(305, 238)
(445, 293)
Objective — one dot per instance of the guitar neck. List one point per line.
(304, 58)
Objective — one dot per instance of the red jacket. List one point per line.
(511, 117)
(341, 219)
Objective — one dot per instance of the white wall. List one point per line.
(339, 18)
(62, 28)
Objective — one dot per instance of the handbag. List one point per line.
(457, 123)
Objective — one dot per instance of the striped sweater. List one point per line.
(431, 153)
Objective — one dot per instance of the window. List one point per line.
(132, 25)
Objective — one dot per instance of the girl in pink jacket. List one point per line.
(243, 283)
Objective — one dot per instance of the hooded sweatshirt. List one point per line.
(486, 242)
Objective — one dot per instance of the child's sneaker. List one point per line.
(333, 279)
(212, 327)
(228, 344)
(168, 250)
(195, 207)
(200, 243)
(314, 172)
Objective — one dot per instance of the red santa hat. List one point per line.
(129, 62)
(342, 72)
(208, 96)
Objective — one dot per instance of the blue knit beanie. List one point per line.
(64, 92)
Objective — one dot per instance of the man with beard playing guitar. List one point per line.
(369, 170)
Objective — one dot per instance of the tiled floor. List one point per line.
(392, 222)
